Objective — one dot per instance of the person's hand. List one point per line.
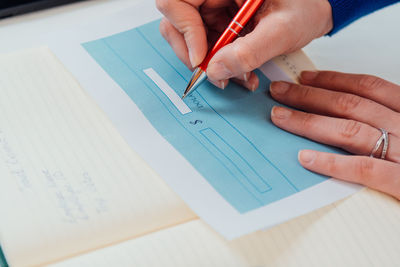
(346, 111)
(192, 26)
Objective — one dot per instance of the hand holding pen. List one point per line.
(193, 26)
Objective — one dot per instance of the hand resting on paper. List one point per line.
(346, 111)
(280, 26)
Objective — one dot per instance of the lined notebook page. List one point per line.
(69, 183)
(363, 230)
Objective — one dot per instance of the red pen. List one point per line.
(237, 24)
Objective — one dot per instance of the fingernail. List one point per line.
(223, 85)
(253, 83)
(253, 87)
(218, 71)
(218, 84)
(246, 79)
(307, 157)
(191, 58)
(280, 113)
(279, 88)
(308, 75)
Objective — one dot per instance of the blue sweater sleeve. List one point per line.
(346, 11)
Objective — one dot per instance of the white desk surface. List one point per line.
(371, 45)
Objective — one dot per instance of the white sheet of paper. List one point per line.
(363, 230)
(69, 182)
(161, 155)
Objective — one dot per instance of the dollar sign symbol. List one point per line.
(196, 122)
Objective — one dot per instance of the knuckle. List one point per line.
(349, 129)
(284, 23)
(246, 56)
(329, 77)
(331, 164)
(364, 168)
(164, 28)
(367, 82)
(307, 121)
(304, 91)
(347, 103)
(163, 5)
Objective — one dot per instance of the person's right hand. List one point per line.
(281, 26)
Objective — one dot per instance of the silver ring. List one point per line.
(383, 139)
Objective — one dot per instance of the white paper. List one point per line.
(69, 182)
(163, 157)
(361, 231)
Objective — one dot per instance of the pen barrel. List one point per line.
(245, 13)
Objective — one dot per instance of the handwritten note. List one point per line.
(66, 174)
(10, 159)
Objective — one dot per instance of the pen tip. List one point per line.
(198, 77)
(188, 89)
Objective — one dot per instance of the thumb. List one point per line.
(270, 38)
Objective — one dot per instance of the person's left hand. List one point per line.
(346, 111)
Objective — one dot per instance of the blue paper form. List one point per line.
(225, 134)
(3, 262)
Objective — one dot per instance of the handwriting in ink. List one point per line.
(196, 122)
(292, 67)
(195, 101)
(13, 164)
(77, 198)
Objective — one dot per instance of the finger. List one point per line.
(378, 174)
(220, 84)
(176, 41)
(337, 104)
(371, 87)
(355, 137)
(248, 80)
(218, 17)
(270, 37)
(185, 17)
(244, 77)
